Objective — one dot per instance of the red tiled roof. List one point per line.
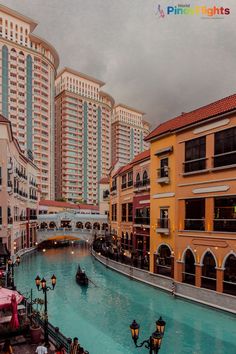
(104, 180)
(67, 205)
(142, 156)
(224, 105)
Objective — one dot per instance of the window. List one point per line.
(225, 214)
(164, 169)
(130, 179)
(123, 183)
(138, 182)
(0, 175)
(0, 215)
(163, 222)
(225, 148)
(195, 214)
(114, 212)
(146, 180)
(130, 211)
(142, 216)
(123, 212)
(195, 155)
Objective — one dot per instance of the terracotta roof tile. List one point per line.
(224, 105)
(3, 119)
(142, 156)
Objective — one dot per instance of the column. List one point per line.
(219, 279)
(198, 274)
(209, 214)
(179, 268)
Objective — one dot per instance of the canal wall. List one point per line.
(207, 297)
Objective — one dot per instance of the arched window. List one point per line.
(230, 275)
(138, 182)
(163, 261)
(189, 268)
(79, 225)
(96, 226)
(88, 225)
(145, 176)
(209, 271)
(52, 225)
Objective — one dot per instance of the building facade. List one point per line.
(18, 193)
(129, 206)
(198, 243)
(83, 136)
(128, 132)
(28, 65)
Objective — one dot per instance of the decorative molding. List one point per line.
(144, 201)
(209, 181)
(163, 195)
(168, 149)
(211, 189)
(127, 198)
(211, 126)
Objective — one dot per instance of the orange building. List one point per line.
(204, 195)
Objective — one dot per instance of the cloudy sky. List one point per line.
(163, 66)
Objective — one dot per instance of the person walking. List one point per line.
(41, 349)
(74, 349)
(7, 348)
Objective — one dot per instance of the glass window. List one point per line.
(164, 169)
(195, 155)
(195, 214)
(130, 211)
(225, 147)
(123, 212)
(123, 183)
(225, 214)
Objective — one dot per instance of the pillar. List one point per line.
(219, 279)
(179, 268)
(198, 274)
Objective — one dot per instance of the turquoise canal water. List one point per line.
(101, 314)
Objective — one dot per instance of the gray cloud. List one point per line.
(161, 66)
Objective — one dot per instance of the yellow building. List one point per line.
(162, 203)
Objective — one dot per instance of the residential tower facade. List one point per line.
(28, 65)
(83, 136)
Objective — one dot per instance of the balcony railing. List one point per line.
(142, 220)
(194, 165)
(225, 225)
(194, 224)
(226, 159)
(143, 183)
(163, 172)
(33, 217)
(163, 226)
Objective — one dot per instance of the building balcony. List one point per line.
(194, 224)
(163, 226)
(142, 220)
(225, 225)
(143, 185)
(163, 175)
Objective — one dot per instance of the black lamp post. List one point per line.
(45, 289)
(11, 266)
(154, 341)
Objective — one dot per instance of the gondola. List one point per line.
(81, 277)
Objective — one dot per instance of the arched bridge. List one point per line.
(71, 226)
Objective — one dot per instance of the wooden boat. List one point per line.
(81, 277)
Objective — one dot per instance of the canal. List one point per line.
(101, 314)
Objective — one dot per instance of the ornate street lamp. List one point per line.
(154, 341)
(45, 289)
(11, 266)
